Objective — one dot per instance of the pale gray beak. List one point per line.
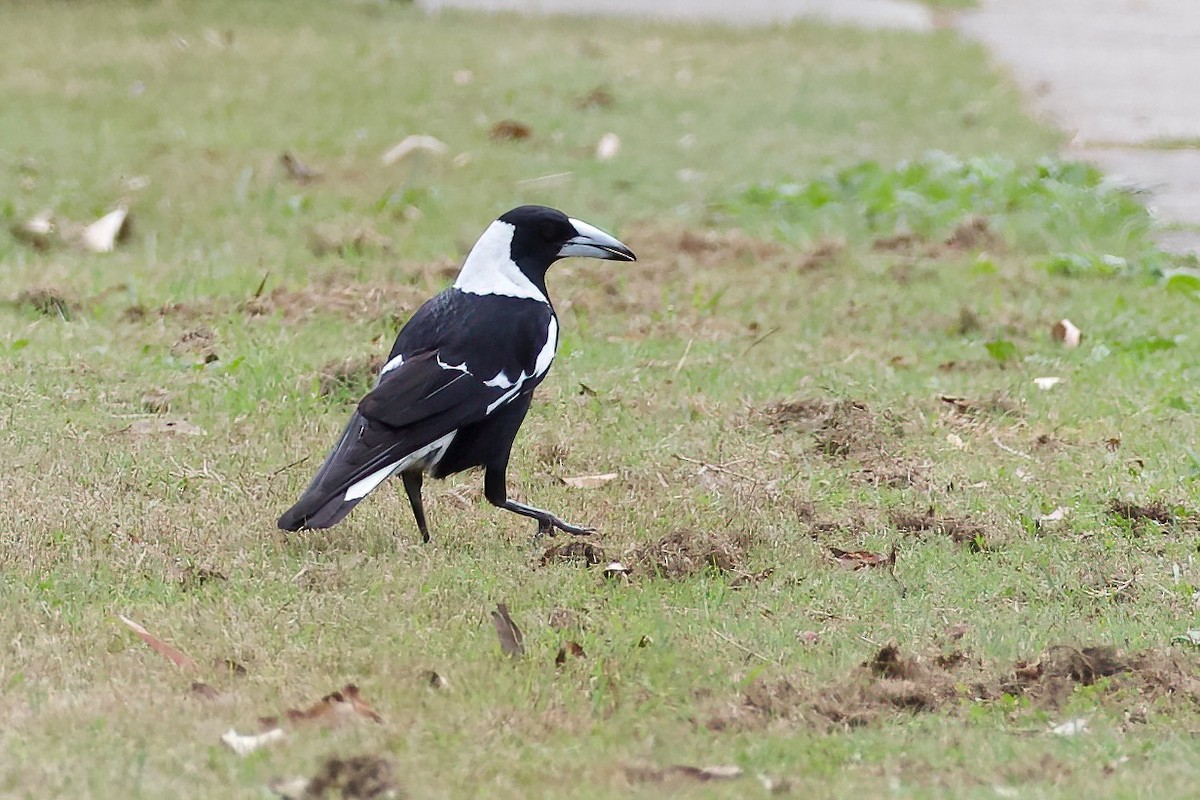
(591, 242)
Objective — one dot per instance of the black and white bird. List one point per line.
(460, 377)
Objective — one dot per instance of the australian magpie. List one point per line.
(460, 377)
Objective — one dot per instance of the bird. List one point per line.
(460, 377)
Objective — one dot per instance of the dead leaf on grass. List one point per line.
(858, 559)
(599, 97)
(590, 481)
(569, 650)
(510, 130)
(37, 231)
(608, 147)
(1065, 332)
(434, 680)
(616, 569)
(644, 774)
(203, 691)
(156, 401)
(165, 650)
(511, 640)
(334, 707)
(416, 143)
(296, 169)
(683, 554)
(1047, 383)
(47, 302)
(245, 745)
(973, 233)
(154, 427)
(103, 235)
(1072, 727)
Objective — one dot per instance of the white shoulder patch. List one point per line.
(546, 356)
(489, 268)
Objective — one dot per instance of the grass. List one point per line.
(805, 368)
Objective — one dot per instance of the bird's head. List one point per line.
(512, 256)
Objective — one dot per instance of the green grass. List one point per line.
(687, 351)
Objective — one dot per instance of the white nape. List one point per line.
(425, 457)
(489, 268)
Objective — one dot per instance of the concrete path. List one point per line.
(895, 14)
(1123, 78)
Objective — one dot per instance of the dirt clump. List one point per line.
(353, 374)
(355, 778)
(684, 554)
(841, 428)
(1156, 511)
(963, 531)
(574, 550)
(199, 341)
(337, 295)
(973, 233)
(823, 254)
(998, 404)
(47, 302)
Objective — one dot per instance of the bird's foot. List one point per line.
(547, 527)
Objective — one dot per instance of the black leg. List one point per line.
(412, 486)
(496, 492)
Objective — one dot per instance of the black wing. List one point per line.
(413, 406)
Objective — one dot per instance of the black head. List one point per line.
(543, 235)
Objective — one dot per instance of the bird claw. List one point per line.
(548, 526)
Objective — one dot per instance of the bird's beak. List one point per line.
(591, 242)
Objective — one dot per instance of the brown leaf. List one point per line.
(1065, 332)
(203, 691)
(569, 650)
(434, 680)
(857, 559)
(590, 481)
(510, 635)
(296, 169)
(331, 708)
(510, 130)
(703, 774)
(159, 646)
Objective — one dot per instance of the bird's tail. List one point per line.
(354, 467)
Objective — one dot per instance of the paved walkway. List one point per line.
(1123, 78)
(902, 14)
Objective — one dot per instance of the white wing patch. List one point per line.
(425, 457)
(391, 365)
(460, 367)
(544, 358)
(501, 381)
(489, 268)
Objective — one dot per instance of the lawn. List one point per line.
(853, 248)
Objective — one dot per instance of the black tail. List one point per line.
(364, 449)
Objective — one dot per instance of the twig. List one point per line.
(683, 357)
(743, 648)
(717, 468)
(996, 441)
(760, 340)
(286, 467)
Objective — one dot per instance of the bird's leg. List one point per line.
(412, 487)
(496, 492)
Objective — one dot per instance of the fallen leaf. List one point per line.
(1048, 383)
(159, 646)
(103, 234)
(608, 147)
(416, 143)
(1191, 637)
(1057, 515)
(857, 559)
(149, 427)
(37, 231)
(510, 130)
(1064, 331)
(333, 707)
(616, 569)
(569, 650)
(290, 788)
(590, 481)
(296, 169)
(645, 641)
(434, 680)
(703, 774)
(245, 745)
(510, 635)
(1072, 727)
(204, 691)
(956, 441)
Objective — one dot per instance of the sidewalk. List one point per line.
(1123, 78)
(894, 14)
